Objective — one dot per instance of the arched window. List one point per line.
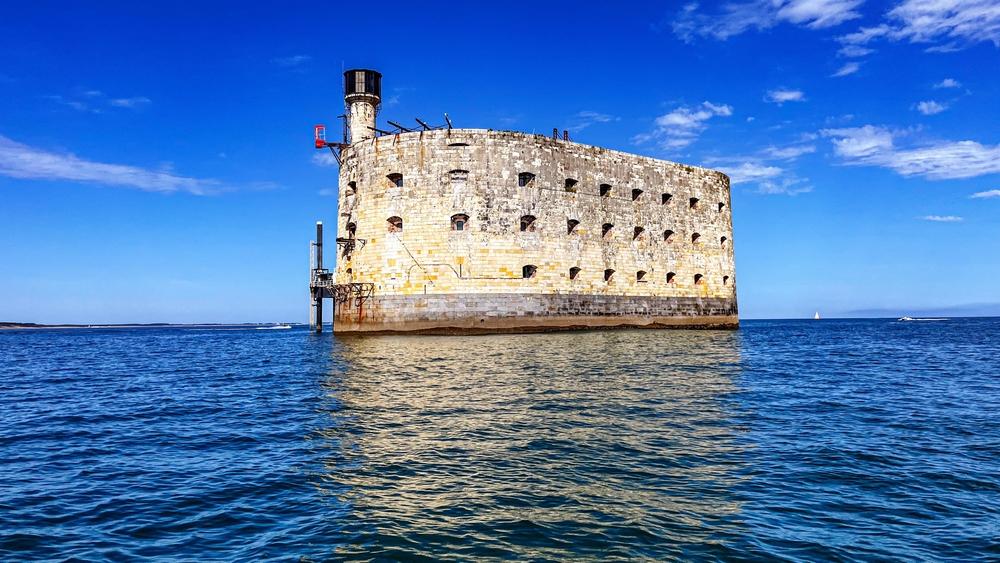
(608, 274)
(636, 193)
(350, 272)
(571, 185)
(605, 190)
(693, 203)
(528, 271)
(352, 188)
(574, 272)
(606, 229)
(525, 179)
(395, 179)
(721, 206)
(352, 229)
(665, 198)
(725, 280)
(668, 236)
(699, 279)
(571, 225)
(670, 277)
(459, 222)
(637, 233)
(458, 177)
(723, 241)
(640, 276)
(527, 223)
(694, 238)
(395, 224)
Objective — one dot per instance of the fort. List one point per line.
(447, 230)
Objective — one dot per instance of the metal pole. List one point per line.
(319, 245)
(316, 316)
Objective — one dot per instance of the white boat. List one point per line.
(905, 318)
(816, 316)
(274, 327)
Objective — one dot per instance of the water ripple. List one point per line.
(838, 440)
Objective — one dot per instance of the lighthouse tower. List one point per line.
(362, 96)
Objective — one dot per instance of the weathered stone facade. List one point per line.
(452, 222)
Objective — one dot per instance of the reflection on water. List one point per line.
(839, 440)
(555, 445)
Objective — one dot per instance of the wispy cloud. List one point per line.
(324, 158)
(946, 25)
(586, 118)
(749, 172)
(18, 160)
(328, 192)
(948, 83)
(854, 51)
(77, 105)
(986, 195)
(780, 96)
(682, 126)
(790, 186)
(930, 107)
(94, 101)
(292, 61)
(736, 17)
(847, 69)
(942, 218)
(790, 152)
(131, 103)
(874, 146)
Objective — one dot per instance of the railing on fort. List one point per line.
(354, 292)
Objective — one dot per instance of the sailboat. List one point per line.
(816, 316)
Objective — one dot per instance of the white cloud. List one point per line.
(91, 101)
(291, 61)
(22, 161)
(930, 107)
(324, 158)
(130, 103)
(948, 24)
(736, 18)
(328, 192)
(751, 172)
(586, 118)
(789, 152)
(873, 146)
(854, 51)
(942, 218)
(985, 195)
(784, 186)
(848, 68)
(859, 142)
(681, 127)
(75, 104)
(781, 96)
(948, 83)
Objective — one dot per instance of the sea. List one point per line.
(831, 440)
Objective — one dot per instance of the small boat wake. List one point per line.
(274, 327)
(908, 319)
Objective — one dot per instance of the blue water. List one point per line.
(785, 440)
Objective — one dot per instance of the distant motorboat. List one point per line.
(816, 316)
(905, 318)
(274, 327)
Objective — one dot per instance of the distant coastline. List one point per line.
(38, 326)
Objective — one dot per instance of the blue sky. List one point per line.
(156, 160)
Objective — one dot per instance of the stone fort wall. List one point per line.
(452, 222)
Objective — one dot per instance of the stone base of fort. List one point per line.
(517, 312)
